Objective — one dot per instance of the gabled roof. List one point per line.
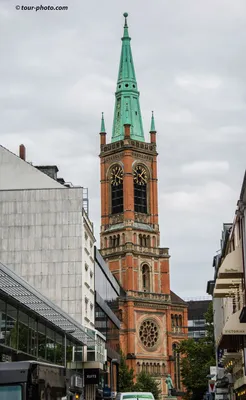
(176, 299)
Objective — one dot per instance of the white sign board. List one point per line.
(213, 371)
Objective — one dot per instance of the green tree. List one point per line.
(197, 357)
(209, 317)
(126, 375)
(146, 383)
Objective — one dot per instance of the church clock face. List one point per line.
(116, 175)
(140, 175)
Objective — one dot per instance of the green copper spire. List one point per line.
(103, 130)
(152, 125)
(127, 108)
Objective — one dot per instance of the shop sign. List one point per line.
(91, 376)
(6, 358)
(106, 391)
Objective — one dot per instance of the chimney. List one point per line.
(22, 152)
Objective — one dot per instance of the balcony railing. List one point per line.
(149, 295)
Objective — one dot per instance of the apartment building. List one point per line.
(228, 291)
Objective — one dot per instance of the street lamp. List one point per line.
(65, 343)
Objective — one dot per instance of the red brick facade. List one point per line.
(153, 318)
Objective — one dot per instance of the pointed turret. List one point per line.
(102, 125)
(127, 94)
(103, 131)
(152, 125)
(152, 129)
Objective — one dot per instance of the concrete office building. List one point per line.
(46, 236)
(196, 317)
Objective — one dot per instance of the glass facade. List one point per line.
(30, 337)
(107, 303)
(103, 286)
(107, 327)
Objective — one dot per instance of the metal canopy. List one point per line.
(25, 294)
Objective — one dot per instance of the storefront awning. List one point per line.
(222, 293)
(227, 283)
(226, 287)
(232, 265)
(232, 333)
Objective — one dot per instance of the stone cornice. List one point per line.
(128, 144)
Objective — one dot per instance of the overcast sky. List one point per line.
(58, 72)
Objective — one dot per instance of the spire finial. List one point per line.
(125, 15)
(103, 130)
(126, 34)
(152, 125)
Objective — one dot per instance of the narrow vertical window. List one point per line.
(140, 177)
(177, 378)
(116, 190)
(146, 278)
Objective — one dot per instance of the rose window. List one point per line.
(149, 333)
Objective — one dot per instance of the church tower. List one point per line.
(154, 319)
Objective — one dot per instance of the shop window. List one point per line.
(41, 341)
(23, 332)
(32, 337)
(3, 318)
(11, 326)
(50, 345)
(59, 349)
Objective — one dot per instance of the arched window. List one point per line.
(176, 322)
(173, 322)
(146, 278)
(176, 355)
(151, 368)
(140, 177)
(138, 368)
(116, 179)
(163, 369)
(154, 241)
(135, 238)
(144, 241)
(155, 368)
(105, 243)
(114, 241)
(140, 240)
(110, 241)
(180, 323)
(118, 240)
(148, 241)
